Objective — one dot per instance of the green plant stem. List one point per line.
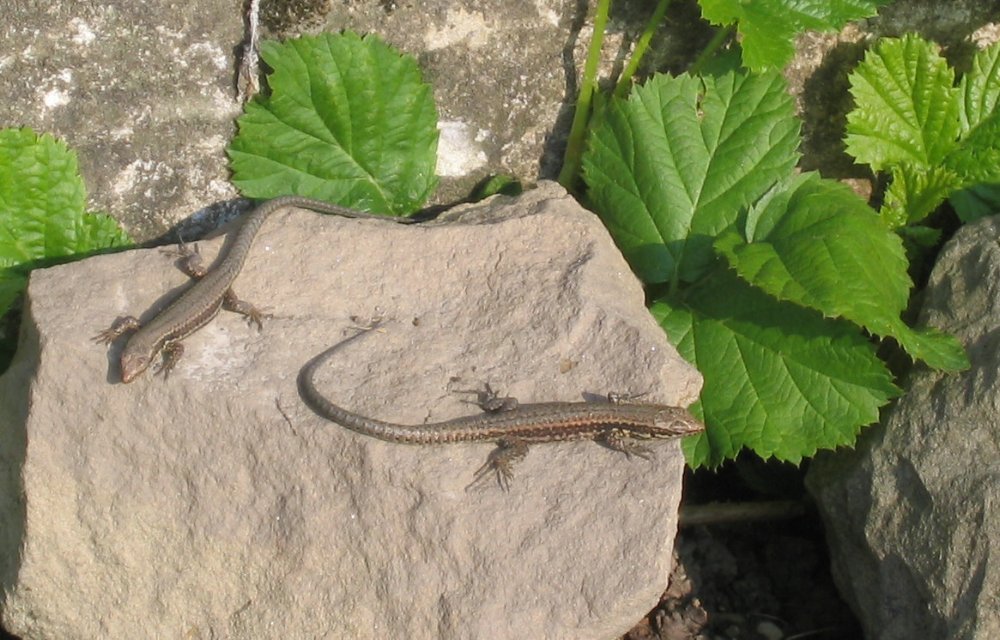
(625, 81)
(578, 132)
(721, 35)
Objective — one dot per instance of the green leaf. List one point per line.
(42, 197)
(976, 202)
(670, 167)
(98, 231)
(915, 193)
(977, 157)
(906, 107)
(919, 237)
(768, 28)
(42, 203)
(348, 120)
(42, 219)
(779, 379)
(936, 139)
(819, 245)
(935, 347)
(979, 89)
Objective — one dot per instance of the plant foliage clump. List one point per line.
(771, 281)
(936, 139)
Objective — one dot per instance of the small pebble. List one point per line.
(769, 630)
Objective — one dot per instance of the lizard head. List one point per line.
(132, 365)
(674, 421)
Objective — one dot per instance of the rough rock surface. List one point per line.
(215, 504)
(911, 515)
(144, 92)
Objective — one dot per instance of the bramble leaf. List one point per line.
(979, 90)
(42, 199)
(976, 202)
(768, 28)
(95, 231)
(977, 158)
(819, 245)
(916, 192)
(670, 167)
(348, 120)
(906, 108)
(42, 210)
(779, 379)
(936, 139)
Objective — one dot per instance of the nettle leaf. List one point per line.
(348, 120)
(670, 167)
(768, 28)
(819, 245)
(42, 210)
(780, 379)
(906, 105)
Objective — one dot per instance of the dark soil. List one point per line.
(756, 579)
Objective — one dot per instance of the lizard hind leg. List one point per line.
(501, 461)
(253, 315)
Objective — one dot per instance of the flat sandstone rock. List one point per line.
(215, 504)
